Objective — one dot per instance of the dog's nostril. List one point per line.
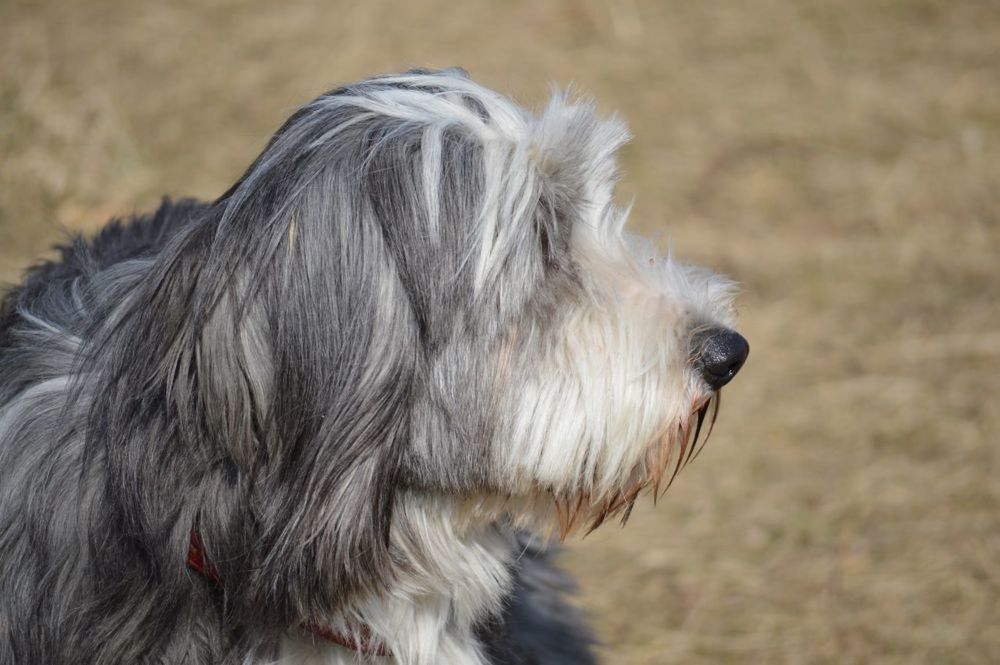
(721, 354)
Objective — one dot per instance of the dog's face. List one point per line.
(560, 360)
(480, 288)
(417, 286)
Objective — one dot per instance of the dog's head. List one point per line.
(420, 285)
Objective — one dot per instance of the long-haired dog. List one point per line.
(317, 420)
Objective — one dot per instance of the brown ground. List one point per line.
(840, 158)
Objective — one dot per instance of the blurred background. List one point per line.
(841, 159)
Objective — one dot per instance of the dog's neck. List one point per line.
(450, 573)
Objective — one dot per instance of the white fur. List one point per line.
(455, 571)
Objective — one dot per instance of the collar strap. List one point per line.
(364, 643)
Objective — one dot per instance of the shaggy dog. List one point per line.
(317, 420)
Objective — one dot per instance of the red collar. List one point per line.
(364, 644)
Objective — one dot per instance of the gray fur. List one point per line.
(280, 370)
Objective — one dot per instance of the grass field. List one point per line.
(841, 159)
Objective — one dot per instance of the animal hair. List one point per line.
(413, 330)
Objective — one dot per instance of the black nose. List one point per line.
(719, 352)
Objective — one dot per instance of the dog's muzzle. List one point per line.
(720, 354)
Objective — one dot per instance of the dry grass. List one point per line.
(840, 158)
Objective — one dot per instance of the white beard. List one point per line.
(454, 573)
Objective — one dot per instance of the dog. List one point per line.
(336, 415)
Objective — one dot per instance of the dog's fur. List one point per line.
(413, 331)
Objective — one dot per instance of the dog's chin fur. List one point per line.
(413, 333)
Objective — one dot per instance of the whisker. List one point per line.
(628, 510)
(598, 521)
(697, 430)
(603, 514)
(685, 436)
(663, 450)
(715, 412)
(711, 423)
(576, 510)
(562, 519)
(666, 458)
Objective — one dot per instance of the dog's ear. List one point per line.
(262, 394)
(576, 155)
(576, 150)
(328, 348)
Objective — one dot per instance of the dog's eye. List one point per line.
(545, 243)
(549, 245)
(547, 226)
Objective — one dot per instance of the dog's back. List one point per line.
(61, 600)
(53, 292)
